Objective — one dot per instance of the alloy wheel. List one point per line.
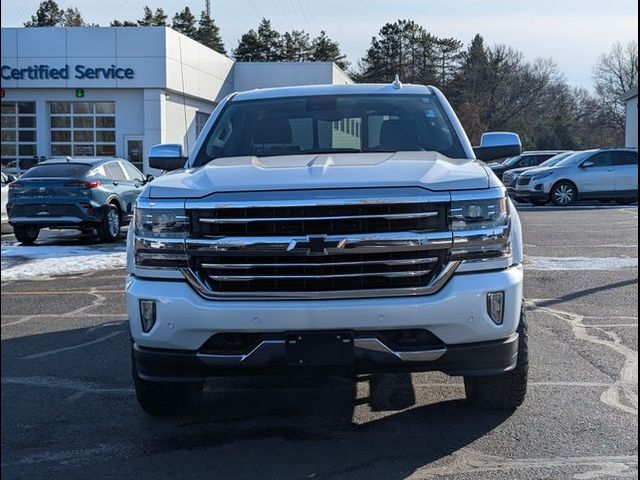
(563, 194)
(114, 222)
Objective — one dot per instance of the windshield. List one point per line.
(53, 170)
(512, 161)
(331, 124)
(555, 160)
(575, 159)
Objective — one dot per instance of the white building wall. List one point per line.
(339, 76)
(631, 134)
(196, 70)
(129, 111)
(181, 119)
(252, 75)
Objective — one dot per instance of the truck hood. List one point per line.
(300, 172)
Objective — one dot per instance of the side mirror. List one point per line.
(588, 164)
(167, 157)
(149, 178)
(494, 145)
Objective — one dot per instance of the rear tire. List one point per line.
(167, 398)
(507, 390)
(564, 194)
(109, 228)
(26, 235)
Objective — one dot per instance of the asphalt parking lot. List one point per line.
(68, 408)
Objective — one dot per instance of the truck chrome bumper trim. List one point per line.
(438, 282)
(270, 350)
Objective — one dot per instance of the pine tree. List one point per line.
(249, 48)
(270, 40)
(185, 23)
(48, 14)
(125, 23)
(73, 18)
(209, 34)
(323, 49)
(159, 18)
(447, 51)
(296, 46)
(147, 18)
(265, 45)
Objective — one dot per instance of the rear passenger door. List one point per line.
(138, 181)
(626, 164)
(599, 178)
(119, 184)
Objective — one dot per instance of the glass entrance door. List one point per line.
(134, 149)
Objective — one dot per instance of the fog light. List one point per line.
(147, 314)
(495, 307)
(539, 187)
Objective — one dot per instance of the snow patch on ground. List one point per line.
(579, 263)
(21, 262)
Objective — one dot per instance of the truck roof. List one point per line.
(316, 90)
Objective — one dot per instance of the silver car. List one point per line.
(602, 174)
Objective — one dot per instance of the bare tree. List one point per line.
(615, 73)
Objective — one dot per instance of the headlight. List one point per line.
(481, 227)
(479, 214)
(159, 237)
(161, 223)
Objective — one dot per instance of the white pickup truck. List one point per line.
(345, 228)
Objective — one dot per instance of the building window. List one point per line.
(201, 119)
(19, 148)
(83, 129)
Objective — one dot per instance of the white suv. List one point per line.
(331, 228)
(604, 174)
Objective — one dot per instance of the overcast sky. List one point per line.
(573, 32)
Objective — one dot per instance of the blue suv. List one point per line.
(79, 193)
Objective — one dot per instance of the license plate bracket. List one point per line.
(319, 348)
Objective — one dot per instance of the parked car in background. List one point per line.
(78, 193)
(6, 179)
(510, 177)
(603, 174)
(526, 159)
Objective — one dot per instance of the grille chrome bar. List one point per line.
(390, 216)
(437, 283)
(244, 278)
(241, 266)
(354, 243)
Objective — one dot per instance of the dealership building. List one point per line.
(118, 91)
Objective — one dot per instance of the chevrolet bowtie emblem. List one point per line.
(315, 244)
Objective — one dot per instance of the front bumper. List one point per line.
(474, 359)
(531, 195)
(456, 314)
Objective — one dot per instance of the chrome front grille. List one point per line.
(340, 244)
(318, 273)
(523, 180)
(319, 219)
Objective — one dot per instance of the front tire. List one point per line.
(564, 194)
(109, 228)
(167, 398)
(507, 390)
(27, 234)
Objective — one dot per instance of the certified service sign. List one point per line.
(81, 72)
